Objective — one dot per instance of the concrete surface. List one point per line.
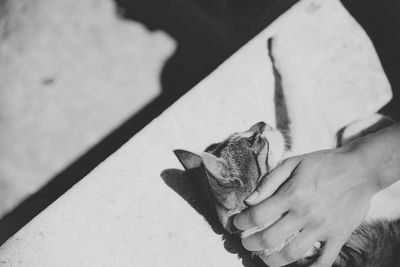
(124, 214)
(70, 72)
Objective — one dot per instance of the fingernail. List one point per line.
(252, 198)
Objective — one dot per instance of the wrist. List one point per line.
(365, 167)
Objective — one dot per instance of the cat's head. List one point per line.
(235, 166)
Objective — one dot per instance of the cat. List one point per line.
(234, 167)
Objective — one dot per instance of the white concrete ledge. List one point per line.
(123, 213)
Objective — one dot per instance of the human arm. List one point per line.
(325, 195)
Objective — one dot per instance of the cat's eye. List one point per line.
(251, 140)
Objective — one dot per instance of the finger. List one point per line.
(274, 237)
(273, 181)
(298, 248)
(264, 214)
(329, 253)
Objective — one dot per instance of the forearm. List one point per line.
(380, 154)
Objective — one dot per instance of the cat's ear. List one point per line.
(188, 159)
(223, 187)
(215, 166)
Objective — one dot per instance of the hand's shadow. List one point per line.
(187, 184)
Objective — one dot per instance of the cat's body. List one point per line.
(233, 169)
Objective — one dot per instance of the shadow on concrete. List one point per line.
(187, 184)
(207, 32)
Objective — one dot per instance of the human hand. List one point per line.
(322, 196)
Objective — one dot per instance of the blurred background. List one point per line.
(78, 78)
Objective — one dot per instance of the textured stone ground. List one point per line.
(123, 213)
(70, 72)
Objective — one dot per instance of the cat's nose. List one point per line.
(258, 127)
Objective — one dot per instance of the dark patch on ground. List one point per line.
(48, 81)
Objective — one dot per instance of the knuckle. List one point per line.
(252, 216)
(297, 195)
(255, 217)
(286, 161)
(290, 161)
(305, 212)
(291, 254)
(320, 221)
(267, 240)
(311, 215)
(314, 216)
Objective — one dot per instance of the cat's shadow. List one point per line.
(186, 184)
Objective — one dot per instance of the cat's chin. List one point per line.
(225, 217)
(277, 146)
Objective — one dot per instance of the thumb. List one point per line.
(273, 181)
